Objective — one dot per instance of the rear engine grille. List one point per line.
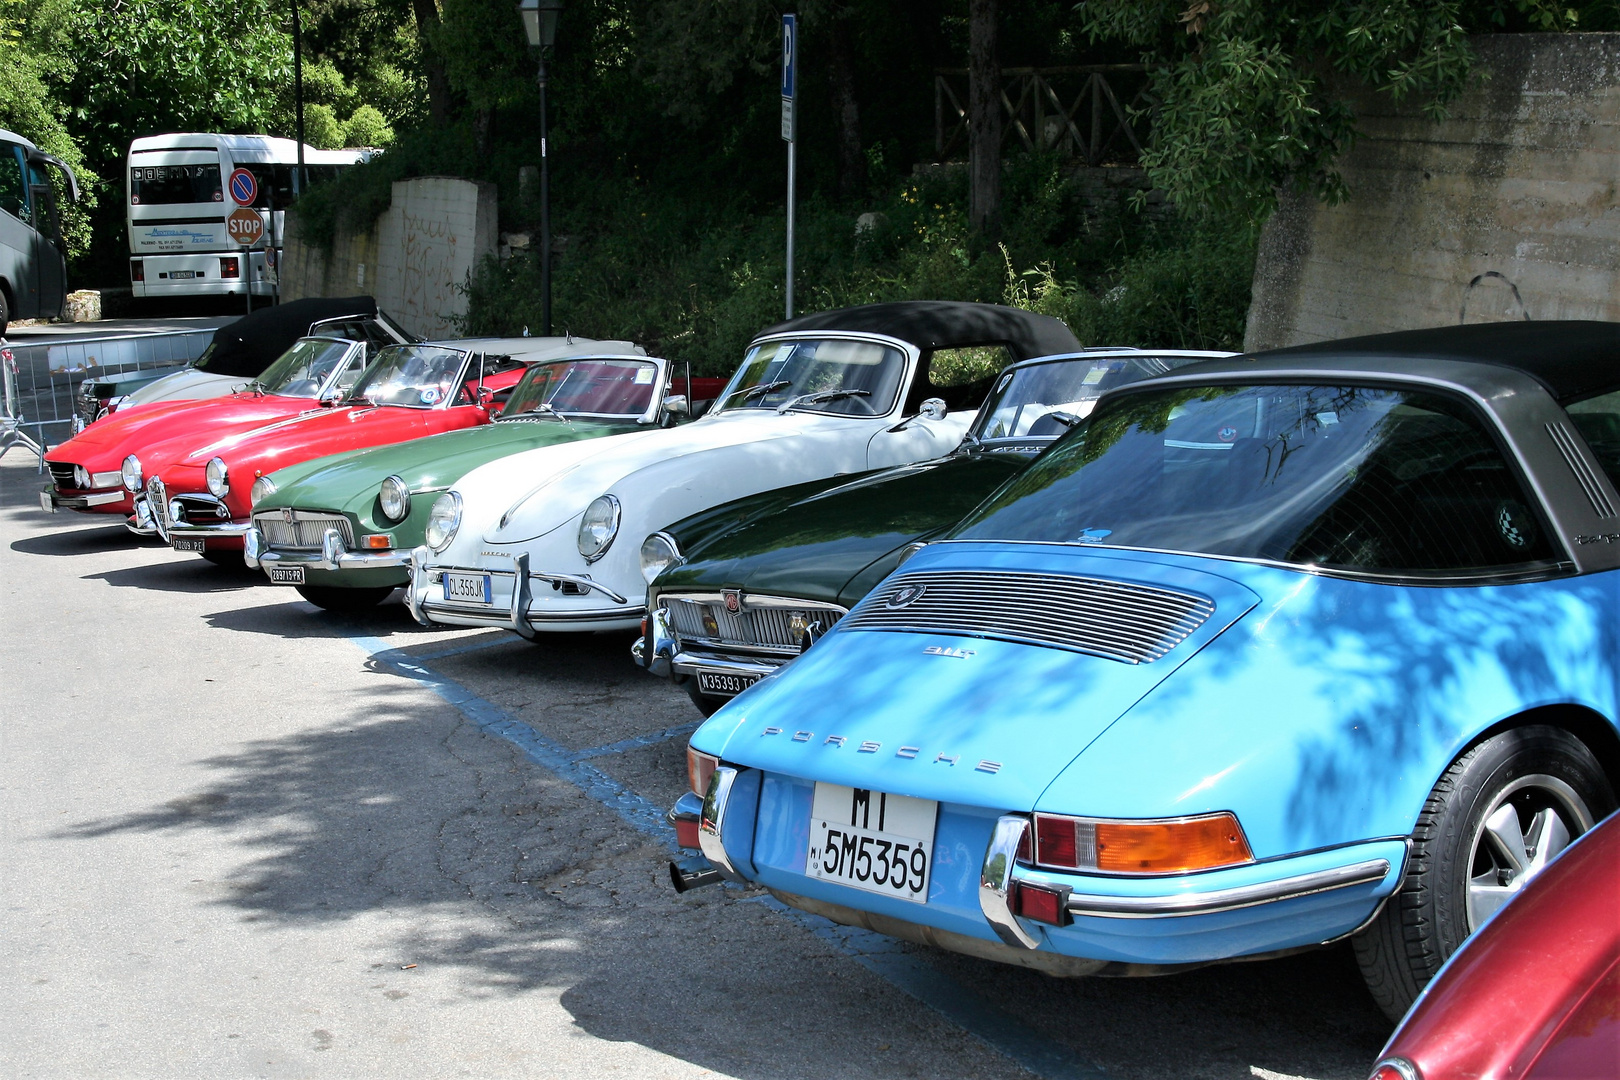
(62, 476)
(304, 532)
(1133, 624)
(755, 627)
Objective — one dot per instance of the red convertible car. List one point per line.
(99, 470)
(1535, 994)
(199, 500)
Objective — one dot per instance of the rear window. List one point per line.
(156, 185)
(1359, 478)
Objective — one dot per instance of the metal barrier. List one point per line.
(41, 378)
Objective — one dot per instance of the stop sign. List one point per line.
(245, 226)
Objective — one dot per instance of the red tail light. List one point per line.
(1043, 904)
(1162, 846)
(137, 270)
(686, 833)
(230, 268)
(699, 767)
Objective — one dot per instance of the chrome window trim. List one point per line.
(911, 355)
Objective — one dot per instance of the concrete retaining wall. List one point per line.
(1507, 209)
(416, 259)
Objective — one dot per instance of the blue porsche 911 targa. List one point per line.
(1269, 652)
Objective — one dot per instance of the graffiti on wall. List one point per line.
(429, 271)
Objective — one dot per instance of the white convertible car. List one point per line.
(563, 538)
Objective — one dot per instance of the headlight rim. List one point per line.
(617, 519)
(124, 471)
(223, 487)
(404, 497)
(453, 499)
(675, 559)
(263, 487)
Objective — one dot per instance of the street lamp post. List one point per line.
(540, 24)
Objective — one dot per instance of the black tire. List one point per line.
(221, 557)
(5, 312)
(706, 705)
(1455, 873)
(332, 599)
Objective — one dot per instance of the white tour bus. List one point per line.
(178, 207)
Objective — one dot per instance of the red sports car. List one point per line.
(199, 499)
(100, 470)
(1535, 994)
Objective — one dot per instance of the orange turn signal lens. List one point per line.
(699, 767)
(379, 541)
(1167, 846)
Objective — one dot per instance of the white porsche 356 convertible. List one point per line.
(564, 538)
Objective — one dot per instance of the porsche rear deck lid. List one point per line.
(1133, 624)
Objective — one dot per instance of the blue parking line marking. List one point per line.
(472, 646)
(883, 956)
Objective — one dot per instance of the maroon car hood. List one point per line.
(1534, 993)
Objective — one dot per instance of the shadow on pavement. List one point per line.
(182, 574)
(298, 618)
(82, 541)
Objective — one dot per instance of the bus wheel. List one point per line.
(5, 311)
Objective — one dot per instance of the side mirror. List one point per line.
(485, 396)
(933, 409)
(677, 405)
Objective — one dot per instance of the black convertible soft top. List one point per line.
(945, 324)
(244, 348)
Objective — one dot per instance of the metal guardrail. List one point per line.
(40, 379)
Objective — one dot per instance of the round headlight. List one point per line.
(657, 552)
(598, 527)
(394, 499)
(443, 520)
(262, 489)
(81, 477)
(130, 472)
(218, 480)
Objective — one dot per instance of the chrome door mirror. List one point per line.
(674, 407)
(932, 409)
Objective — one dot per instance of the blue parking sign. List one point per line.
(790, 54)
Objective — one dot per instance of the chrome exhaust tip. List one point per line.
(692, 873)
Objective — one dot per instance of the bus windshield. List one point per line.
(164, 184)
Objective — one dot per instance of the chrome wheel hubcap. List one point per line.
(1533, 819)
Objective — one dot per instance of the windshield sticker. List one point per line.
(1515, 525)
(430, 395)
(1093, 536)
(1326, 418)
(644, 375)
(1227, 434)
(1094, 376)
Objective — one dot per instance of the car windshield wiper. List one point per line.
(824, 395)
(542, 409)
(1067, 419)
(757, 388)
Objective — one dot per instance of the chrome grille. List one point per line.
(157, 501)
(1133, 624)
(304, 532)
(62, 476)
(760, 627)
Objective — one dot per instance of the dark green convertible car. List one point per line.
(739, 590)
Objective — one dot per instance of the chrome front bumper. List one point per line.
(520, 616)
(50, 501)
(661, 652)
(331, 556)
(159, 507)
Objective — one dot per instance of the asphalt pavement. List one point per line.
(241, 837)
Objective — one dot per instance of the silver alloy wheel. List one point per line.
(1534, 818)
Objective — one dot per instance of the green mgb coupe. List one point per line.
(341, 528)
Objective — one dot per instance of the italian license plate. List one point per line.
(196, 547)
(286, 575)
(468, 589)
(182, 275)
(45, 502)
(714, 682)
(872, 840)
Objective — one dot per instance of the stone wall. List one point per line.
(416, 259)
(1507, 209)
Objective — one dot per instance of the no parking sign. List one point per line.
(244, 187)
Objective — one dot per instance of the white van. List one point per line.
(178, 207)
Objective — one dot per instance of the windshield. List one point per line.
(168, 184)
(1335, 476)
(832, 375)
(302, 370)
(612, 387)
(1046, 400)
(420, 376)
